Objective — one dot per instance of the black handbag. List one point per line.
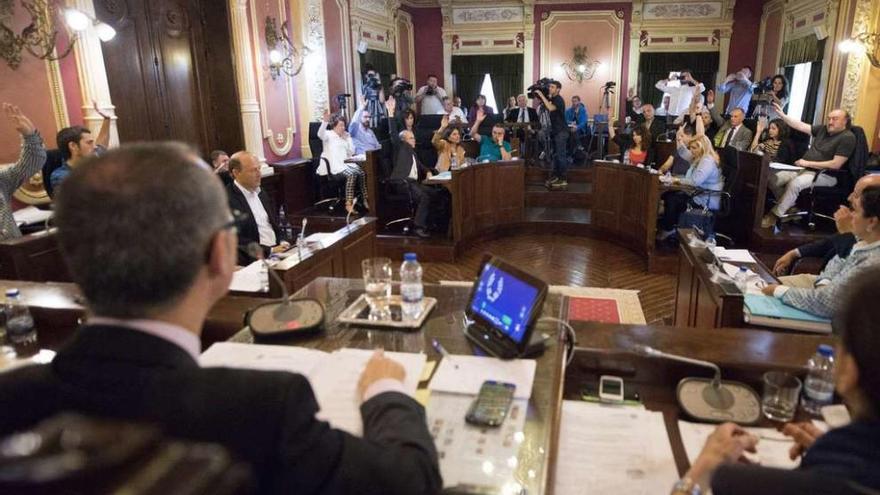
(698, 218)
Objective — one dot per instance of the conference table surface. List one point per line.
(743, 354)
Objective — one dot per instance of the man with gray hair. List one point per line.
(410, 170)
(149, 239)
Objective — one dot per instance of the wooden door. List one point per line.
(170, 72)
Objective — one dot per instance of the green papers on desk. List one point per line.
(772, 312)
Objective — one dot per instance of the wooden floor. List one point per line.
(575, 261)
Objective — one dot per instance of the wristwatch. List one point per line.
(686, 486)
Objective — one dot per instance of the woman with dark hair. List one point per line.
(774, 143)
(824, 298)
(843, 460)
(450, 152)
(635, 148)
(478, 105)
(339, 147)
(779, 92)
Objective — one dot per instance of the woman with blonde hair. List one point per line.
(703, 174)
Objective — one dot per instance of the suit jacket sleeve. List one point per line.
(743, 139)
(758, 480)
(395, 456)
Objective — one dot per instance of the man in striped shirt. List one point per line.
(30, 160)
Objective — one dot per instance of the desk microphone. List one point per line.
(282, 311)
(710, 400)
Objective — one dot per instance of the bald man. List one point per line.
(260, 221)
(839, 244)
(832, 145)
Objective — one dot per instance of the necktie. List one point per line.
(522, 114)
(728, 137)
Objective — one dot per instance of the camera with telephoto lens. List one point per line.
(764, 86)
(372, 81)
(609, 87)
(429, 91)
(541, 86)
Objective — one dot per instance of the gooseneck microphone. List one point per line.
(651, 352)
(284, 310)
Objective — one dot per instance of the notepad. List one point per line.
(461, 374)
(785, 166)
(734, 255)
(333, 376)
(443, 176)
(772, 449)
(613, 449)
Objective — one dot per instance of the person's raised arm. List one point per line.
(792, 122)
(103, 139)
(662, 84)
(322, 130)
(762, 124)
(420, 94)
(475, 135)
(716, 117)
(33, 153)
(550, 106)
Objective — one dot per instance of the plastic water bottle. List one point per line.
(20, 330)
(819, 385)
(710, 243)
(411, 289)
(284, 225)
(742, 279)
(453, 162)
(626, 160)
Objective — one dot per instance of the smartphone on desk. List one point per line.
(491, 405)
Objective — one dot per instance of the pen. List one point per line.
(443, 352)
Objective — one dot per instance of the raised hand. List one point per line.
(326, 117)
(98, 110)
(22, 124)
(390, 105)
(710, 96)
(444, 121)
(481, 114)
(630, 93)
(778, 107)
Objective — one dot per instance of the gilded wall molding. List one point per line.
(315, 68)
(771, 8)
(56, 88)
(281, 143)
(404, 19)
(855, 63)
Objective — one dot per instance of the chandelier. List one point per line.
(283, 55)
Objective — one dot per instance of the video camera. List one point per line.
(340, 100)
(541, 86)
(609, 87)
(761, 87)
(400, 85)
(372, 81)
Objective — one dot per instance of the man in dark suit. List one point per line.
(411, 172)
(260, 220)
(650, 121)
(522, 112)
(150, 241)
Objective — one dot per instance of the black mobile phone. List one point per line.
(491, 405)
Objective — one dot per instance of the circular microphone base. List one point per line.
(277, 317)
(727, 401)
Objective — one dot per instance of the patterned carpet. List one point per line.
(575, 261)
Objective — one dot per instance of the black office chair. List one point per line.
(831, 197)
(330, 188)
(54, 160)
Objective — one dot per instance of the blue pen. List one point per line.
(443, 352)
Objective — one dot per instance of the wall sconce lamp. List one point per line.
(867, 44)
(581, 67)
(283, 55)
(39, 37)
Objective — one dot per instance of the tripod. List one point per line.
(597, 131)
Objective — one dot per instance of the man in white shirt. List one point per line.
(430, 97)
(260, 222)
(681, 89)
(455, 114)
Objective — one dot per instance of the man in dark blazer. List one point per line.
(410, 171)
(656, 126)
(522, 112)
(260, 220)
(150, 281)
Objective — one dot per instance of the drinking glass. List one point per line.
(781, 392)
(377, 280)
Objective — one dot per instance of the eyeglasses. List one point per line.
(232, 224)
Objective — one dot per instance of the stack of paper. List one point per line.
(613, 449)
(460, 374)
(770, 311)
(31, 215)
(733, 255)
(333, 376)
(250, 278)
(772, 450)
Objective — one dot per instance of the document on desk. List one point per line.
(734, 255)
(485, 460)
(31, 215)
(333, 376)
(613, 449)
(459, 374)
(249, 279)
(772, 449)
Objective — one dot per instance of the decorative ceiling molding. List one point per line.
(483, 15)
(664, 11)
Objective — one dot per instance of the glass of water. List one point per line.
(781, 392)
(377, 280)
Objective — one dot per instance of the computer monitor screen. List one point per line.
(504, 301)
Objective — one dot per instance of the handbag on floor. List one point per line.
(698, 218)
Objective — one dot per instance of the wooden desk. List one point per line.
(742, 354)
(538, 451)
(340, 255)
(58, 310)
(34, 257)
(485, 196)
(701, 302)
(625, 205)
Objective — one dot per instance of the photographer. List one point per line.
(430, 97)
(400, 91)
(373, 95)
(740, 87)
(553, 110)
(777, 91)
(680, 87)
